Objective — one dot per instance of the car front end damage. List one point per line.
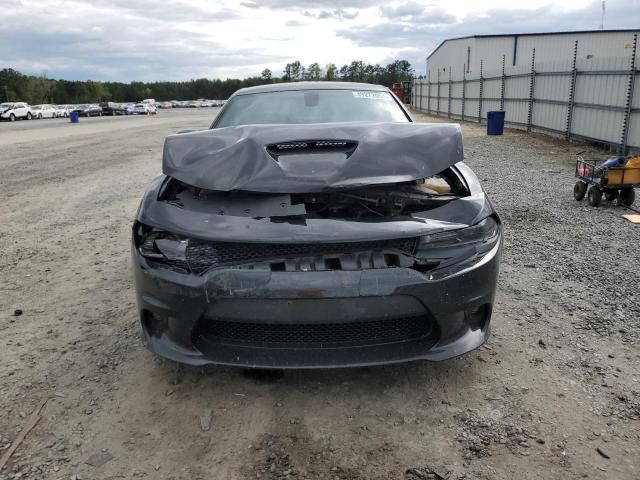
(302, 266)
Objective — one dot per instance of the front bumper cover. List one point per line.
(182, 303)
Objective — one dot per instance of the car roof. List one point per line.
(281, 87)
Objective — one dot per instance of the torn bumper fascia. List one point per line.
(184, 300)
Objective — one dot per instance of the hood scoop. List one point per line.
(312, 157)
(306, 147)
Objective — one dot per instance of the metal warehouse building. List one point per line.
(580, 84)
(518, 48)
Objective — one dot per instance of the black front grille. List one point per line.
(318, 335)
(202, 256)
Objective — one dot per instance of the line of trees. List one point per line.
(16, 86)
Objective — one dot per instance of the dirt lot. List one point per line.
(554, 395)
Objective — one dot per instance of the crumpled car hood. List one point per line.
(275, 158)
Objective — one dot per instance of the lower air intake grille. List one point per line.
(374, 332)
(202, 256)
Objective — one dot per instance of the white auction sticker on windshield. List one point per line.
(370, 94)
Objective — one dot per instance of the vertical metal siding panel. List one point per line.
(555, 88)
(602, 89)
(414, 98)
(453, 52)
(444, 95)
(634, 130)
(636, 88)
(491, 92)
(456, 94)
(473, 92)
(490, 50)
(456, 108)
(599, 124)
(558, 47)
(516, 94)
(473, 88)
(603, 124)
(634, 121)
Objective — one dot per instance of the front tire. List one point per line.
(12, 118)
(39, 116)
(594, 196)
(579, 190)
(29, 116)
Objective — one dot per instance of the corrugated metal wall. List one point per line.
(593, 99)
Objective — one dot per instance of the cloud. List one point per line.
(413, 12)
(170, 11)
(148, 40)
(295, 23)
(408, 26)
(326, 4)
(118, 45)
(405, 10)
(339, 14)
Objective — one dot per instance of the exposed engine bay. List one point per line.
(382, 201)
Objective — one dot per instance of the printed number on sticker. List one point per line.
(372, 95)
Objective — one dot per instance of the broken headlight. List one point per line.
(160, 246)
(482, 232)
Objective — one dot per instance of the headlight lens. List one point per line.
(160, 246)
(481, 232)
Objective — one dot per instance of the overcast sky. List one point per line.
(148, 40)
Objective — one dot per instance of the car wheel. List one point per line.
(594, 196)
(29, 116)
(12, 117)
(579, 189)
(610, 195)
(627, 196)
(39, 116)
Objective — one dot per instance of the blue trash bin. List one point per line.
(495, 122)
(74, 117)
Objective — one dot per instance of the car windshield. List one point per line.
(311, 106)
(6, 105)
(36, 107)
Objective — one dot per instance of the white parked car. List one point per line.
(144, 109)
(43, 111)
(13, 111)
(61, 110)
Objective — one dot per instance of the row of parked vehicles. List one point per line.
(12, 111)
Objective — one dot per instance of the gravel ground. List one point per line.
(553, 395)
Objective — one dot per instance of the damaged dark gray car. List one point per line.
(315, 225)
